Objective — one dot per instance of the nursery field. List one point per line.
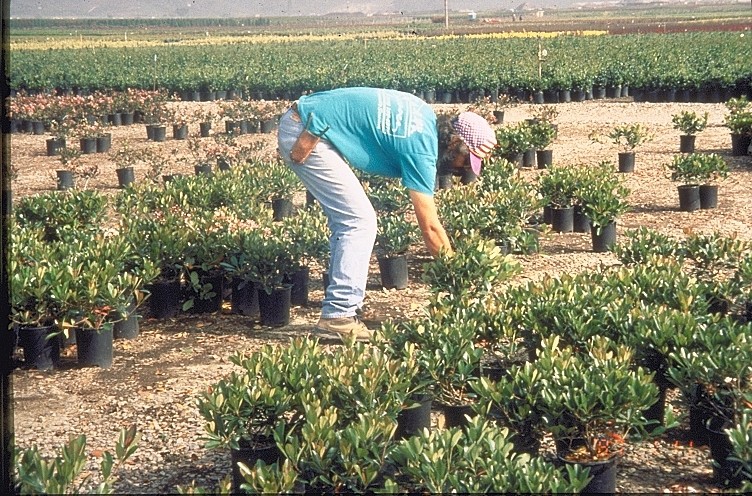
(156, 378)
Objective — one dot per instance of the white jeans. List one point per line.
(350, 215)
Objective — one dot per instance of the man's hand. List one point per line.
(434, 235)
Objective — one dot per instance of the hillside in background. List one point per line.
(245, 8)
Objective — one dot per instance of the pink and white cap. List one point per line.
(477, 135)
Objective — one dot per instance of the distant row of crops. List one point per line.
(678, 61)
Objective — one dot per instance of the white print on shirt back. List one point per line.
(401, 122)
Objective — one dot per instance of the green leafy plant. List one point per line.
(739, 117)
(604, 196)
(478, 459)
(475, 267)
(689, 123)
(542, 134)
(37, 474)
(395, 234)
(697, 168)
(627, 136)
(594, 399)
(558, 186)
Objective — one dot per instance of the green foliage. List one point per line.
(689, 123)
(697, 168)
(629, 136)
(739, 117)
(643, 244)
(595, 396)
(559, 186)
(475, 267)
(37, 474)
(603, 195)
(59, 212)
(395, 234)
(542, 134)
(477, 460)
(512, 140)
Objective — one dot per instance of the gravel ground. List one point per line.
(156, 377)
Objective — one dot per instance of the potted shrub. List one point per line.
(604, 199)
(514, 402)
(70, 159)
(690, 171)
(394, 236)
(280, 185)
(713, 373)
(713, 168)
(739, 122)
(628, 137)
(60, 129)
(558, 187)
(94, 292)
(542, 134)
(689, 123)
(124, 157)
(593, 400)
(34, 274)
(513, 141)
(475, 460)
(476, 266)
(273, 259)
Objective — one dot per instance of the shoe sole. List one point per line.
(328, 335)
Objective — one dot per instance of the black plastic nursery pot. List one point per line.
(580, 221)
(165, 298)
(127, 328)
(126, 176)
(626, 161)
(393, 271)
(687, 143)
(708, 196)
(726, 471)
(413, 419)
(282, 208)
(544, 158)
(244, 297)
(562, 219)
(457, 415)
(603, 238)
(94, 347)
(689, 197)
(40, 350)
(274, 307)
(299, 290)
(602, 473)
(249, 453)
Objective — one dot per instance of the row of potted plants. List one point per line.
(593, 383)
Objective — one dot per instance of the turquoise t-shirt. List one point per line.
(379, 131)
